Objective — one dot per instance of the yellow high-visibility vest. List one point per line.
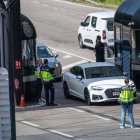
(126, 96)
(46, 76)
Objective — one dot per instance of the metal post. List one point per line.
(0, 129)
(12, 46)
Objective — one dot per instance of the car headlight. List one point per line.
(96, 88)
(56, 65)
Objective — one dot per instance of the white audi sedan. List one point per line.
(94, 82)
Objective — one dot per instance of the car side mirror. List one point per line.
(55, 55)
(125, 74)
(82, 24)
(79, 77)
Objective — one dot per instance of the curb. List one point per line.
(94, 3)
(17, 108)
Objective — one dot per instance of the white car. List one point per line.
(94, 82)
(99, 23)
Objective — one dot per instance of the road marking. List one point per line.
(100, 117)
(133, 128)
(71, 14)
(67, 56)
(78, 110)
(36, 2)
(45, 5)
(73, 64)
(29, 123)
(55, 8)
(72, 54)
(62, 134)
(82, 5)
(136, 128)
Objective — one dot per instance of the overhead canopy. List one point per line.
(128, 14)
(27, 28)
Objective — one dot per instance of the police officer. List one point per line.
(126, 99)
(38, 76)
(47, 77)
(99, 50)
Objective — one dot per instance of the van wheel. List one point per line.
(81, 42)
(87, 97)
(66, 90)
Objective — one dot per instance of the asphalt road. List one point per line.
(57, 24)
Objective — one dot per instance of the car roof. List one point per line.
(109, 14)
(95, 64)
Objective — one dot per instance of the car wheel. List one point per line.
(81, 42)
(66, 90)
(87, 97)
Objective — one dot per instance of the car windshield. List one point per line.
(109, 24)
(103, 71)
(44, 52)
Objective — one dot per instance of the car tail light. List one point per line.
(104, 34)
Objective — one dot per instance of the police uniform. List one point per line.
(47, 77)
(126, 99)
(39, 81)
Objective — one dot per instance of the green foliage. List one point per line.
(110, 2)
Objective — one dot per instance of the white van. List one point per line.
(100, 23)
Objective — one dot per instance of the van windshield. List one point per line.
(109, 23)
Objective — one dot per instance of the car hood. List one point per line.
(51, 61)
(111, 82)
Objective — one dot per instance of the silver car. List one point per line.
(43, 52)
(94, 82)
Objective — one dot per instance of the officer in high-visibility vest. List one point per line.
(38, 76)
(126, 99)
(47, 77)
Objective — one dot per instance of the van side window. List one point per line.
(87, 20)
(93, 22)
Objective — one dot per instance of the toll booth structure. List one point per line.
(28, 44)
(127, 39)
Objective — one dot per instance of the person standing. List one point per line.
(99, 50)
(47, 77)
(39, 80)
(126, 100)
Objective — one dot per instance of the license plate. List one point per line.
(116, 93)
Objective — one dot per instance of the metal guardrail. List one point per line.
(5, 121)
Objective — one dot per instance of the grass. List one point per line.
(112, 3)
(106, 3)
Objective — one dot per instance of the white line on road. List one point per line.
(67, 56)
(73, 64)
(62, 134)
(29, 123)
(72, 54)
(36, 2)
(82, 5)
(78, 110)
(71, 14)
(100, 117)
(55, 8)
(45, 5)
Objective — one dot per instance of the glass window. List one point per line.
(44, 52)
(93, 22)
(136, 47)
(87, 20)
(28, 57)
(103, 71)
(77, 71)
(110, 26)
(109, 21)
(117, 41)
